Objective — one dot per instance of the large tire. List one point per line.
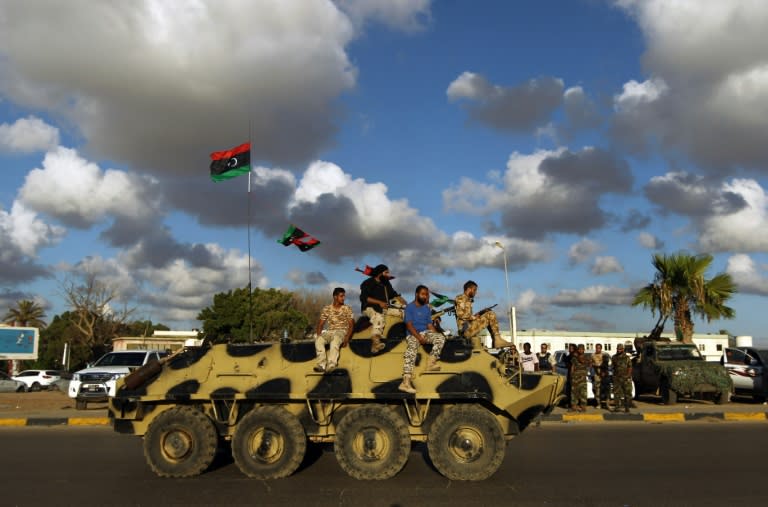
(180, 442)
(269, 443)
(372, 443)
(466, 443)
(35, 387)
(668, 395)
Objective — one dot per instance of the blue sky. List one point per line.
(583, 135)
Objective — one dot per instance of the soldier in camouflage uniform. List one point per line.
(340, 324)
(622, 379)
(600, 385)
(418, 321)
(509, 358)
(470, 324)
(579, 367)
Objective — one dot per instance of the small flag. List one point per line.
(368, 271)
(295, 236)
(230, 163)
(440, 300)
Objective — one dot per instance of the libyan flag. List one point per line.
(231, 163)
(295, 236)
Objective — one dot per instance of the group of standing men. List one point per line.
(600, 362)
(376, 296)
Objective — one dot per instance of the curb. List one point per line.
(55, 421)
(655, 417)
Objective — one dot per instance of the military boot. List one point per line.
(432, 364)
(406, 385)
(376, 345)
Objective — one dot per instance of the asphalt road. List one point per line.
(618, 465)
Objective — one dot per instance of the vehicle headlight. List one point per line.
(116, 376)
(76, 376)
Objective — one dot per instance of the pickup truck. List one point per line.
(97, 382)
(748, 369)
(678, 369)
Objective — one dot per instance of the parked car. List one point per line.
(562, 369)
(8, 385)
(36, 380)
(748, 369)
(97, 382)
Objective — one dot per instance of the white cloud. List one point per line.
(648, 240)
(742, 230)
(749, 278)
(28, 135)
(582, 250)
(594, 295)
(606, 264)
(407, 15)
(81, 194)
(22, 230)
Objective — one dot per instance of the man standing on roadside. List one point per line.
(622, 379)
(579, 367)
(544, 358)
(421, 331)
(600, 386)
(340, 324)
(528, 359)
(375, 294)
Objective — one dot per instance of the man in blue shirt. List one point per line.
(418, 321)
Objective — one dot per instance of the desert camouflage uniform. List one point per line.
(412, 349)
(579, 381)
(622, 381)
(337, 321)
(510, 361)
(465, 316)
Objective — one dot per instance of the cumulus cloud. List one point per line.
(161, 84)
(582, 250)
(407, 15)
(692, 195)
(708, 94)
(649, 241)
(635, 220)
(22, 235)
(519, 108)
(606, 264)
(737, 230)
(594, 295)
(580, 111)
(299, 277)
(27, 135)
(748, 276)
(546, 192)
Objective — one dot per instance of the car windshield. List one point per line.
(123, 359)
(679, 353)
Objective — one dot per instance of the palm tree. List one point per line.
(680, 290)
(26, 313)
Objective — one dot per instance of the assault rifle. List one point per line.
(486, 310)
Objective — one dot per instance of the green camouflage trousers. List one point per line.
(412, 349)
(622, 392)
(578, 391)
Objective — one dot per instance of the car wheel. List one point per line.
(81, 404)
(372, 443)
(22, 388)
(466, 443)
(180, 442)
(34, 387)
(269, 443)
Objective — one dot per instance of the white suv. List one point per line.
(97, 382)
(38, 379)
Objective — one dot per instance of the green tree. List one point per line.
(26, 314)
(680, 291)
(273, 311)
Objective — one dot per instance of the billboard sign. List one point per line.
(19, 342)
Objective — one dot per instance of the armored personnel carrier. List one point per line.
(268, 402)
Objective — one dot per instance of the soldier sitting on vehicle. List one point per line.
(375, 295)
(469, 323)
(340, 323)
(418, 321)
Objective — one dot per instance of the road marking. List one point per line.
(676, 416)
(745, 416)
(583, 417)
(13, 422)
(88, 421)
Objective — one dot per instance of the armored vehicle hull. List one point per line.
(267, 400)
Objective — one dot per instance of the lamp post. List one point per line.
(510, 308)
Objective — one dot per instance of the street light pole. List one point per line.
(510, 308)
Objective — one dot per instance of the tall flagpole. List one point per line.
(250, 289)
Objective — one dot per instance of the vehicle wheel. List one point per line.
(372, 443)
(269, 443)
(180, 442)
(81, 404)
(759, 398)
(22, 388)
(466, 443)
(668, 395)
(722, 397)
(34, 387)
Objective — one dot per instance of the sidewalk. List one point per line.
(55, 408)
